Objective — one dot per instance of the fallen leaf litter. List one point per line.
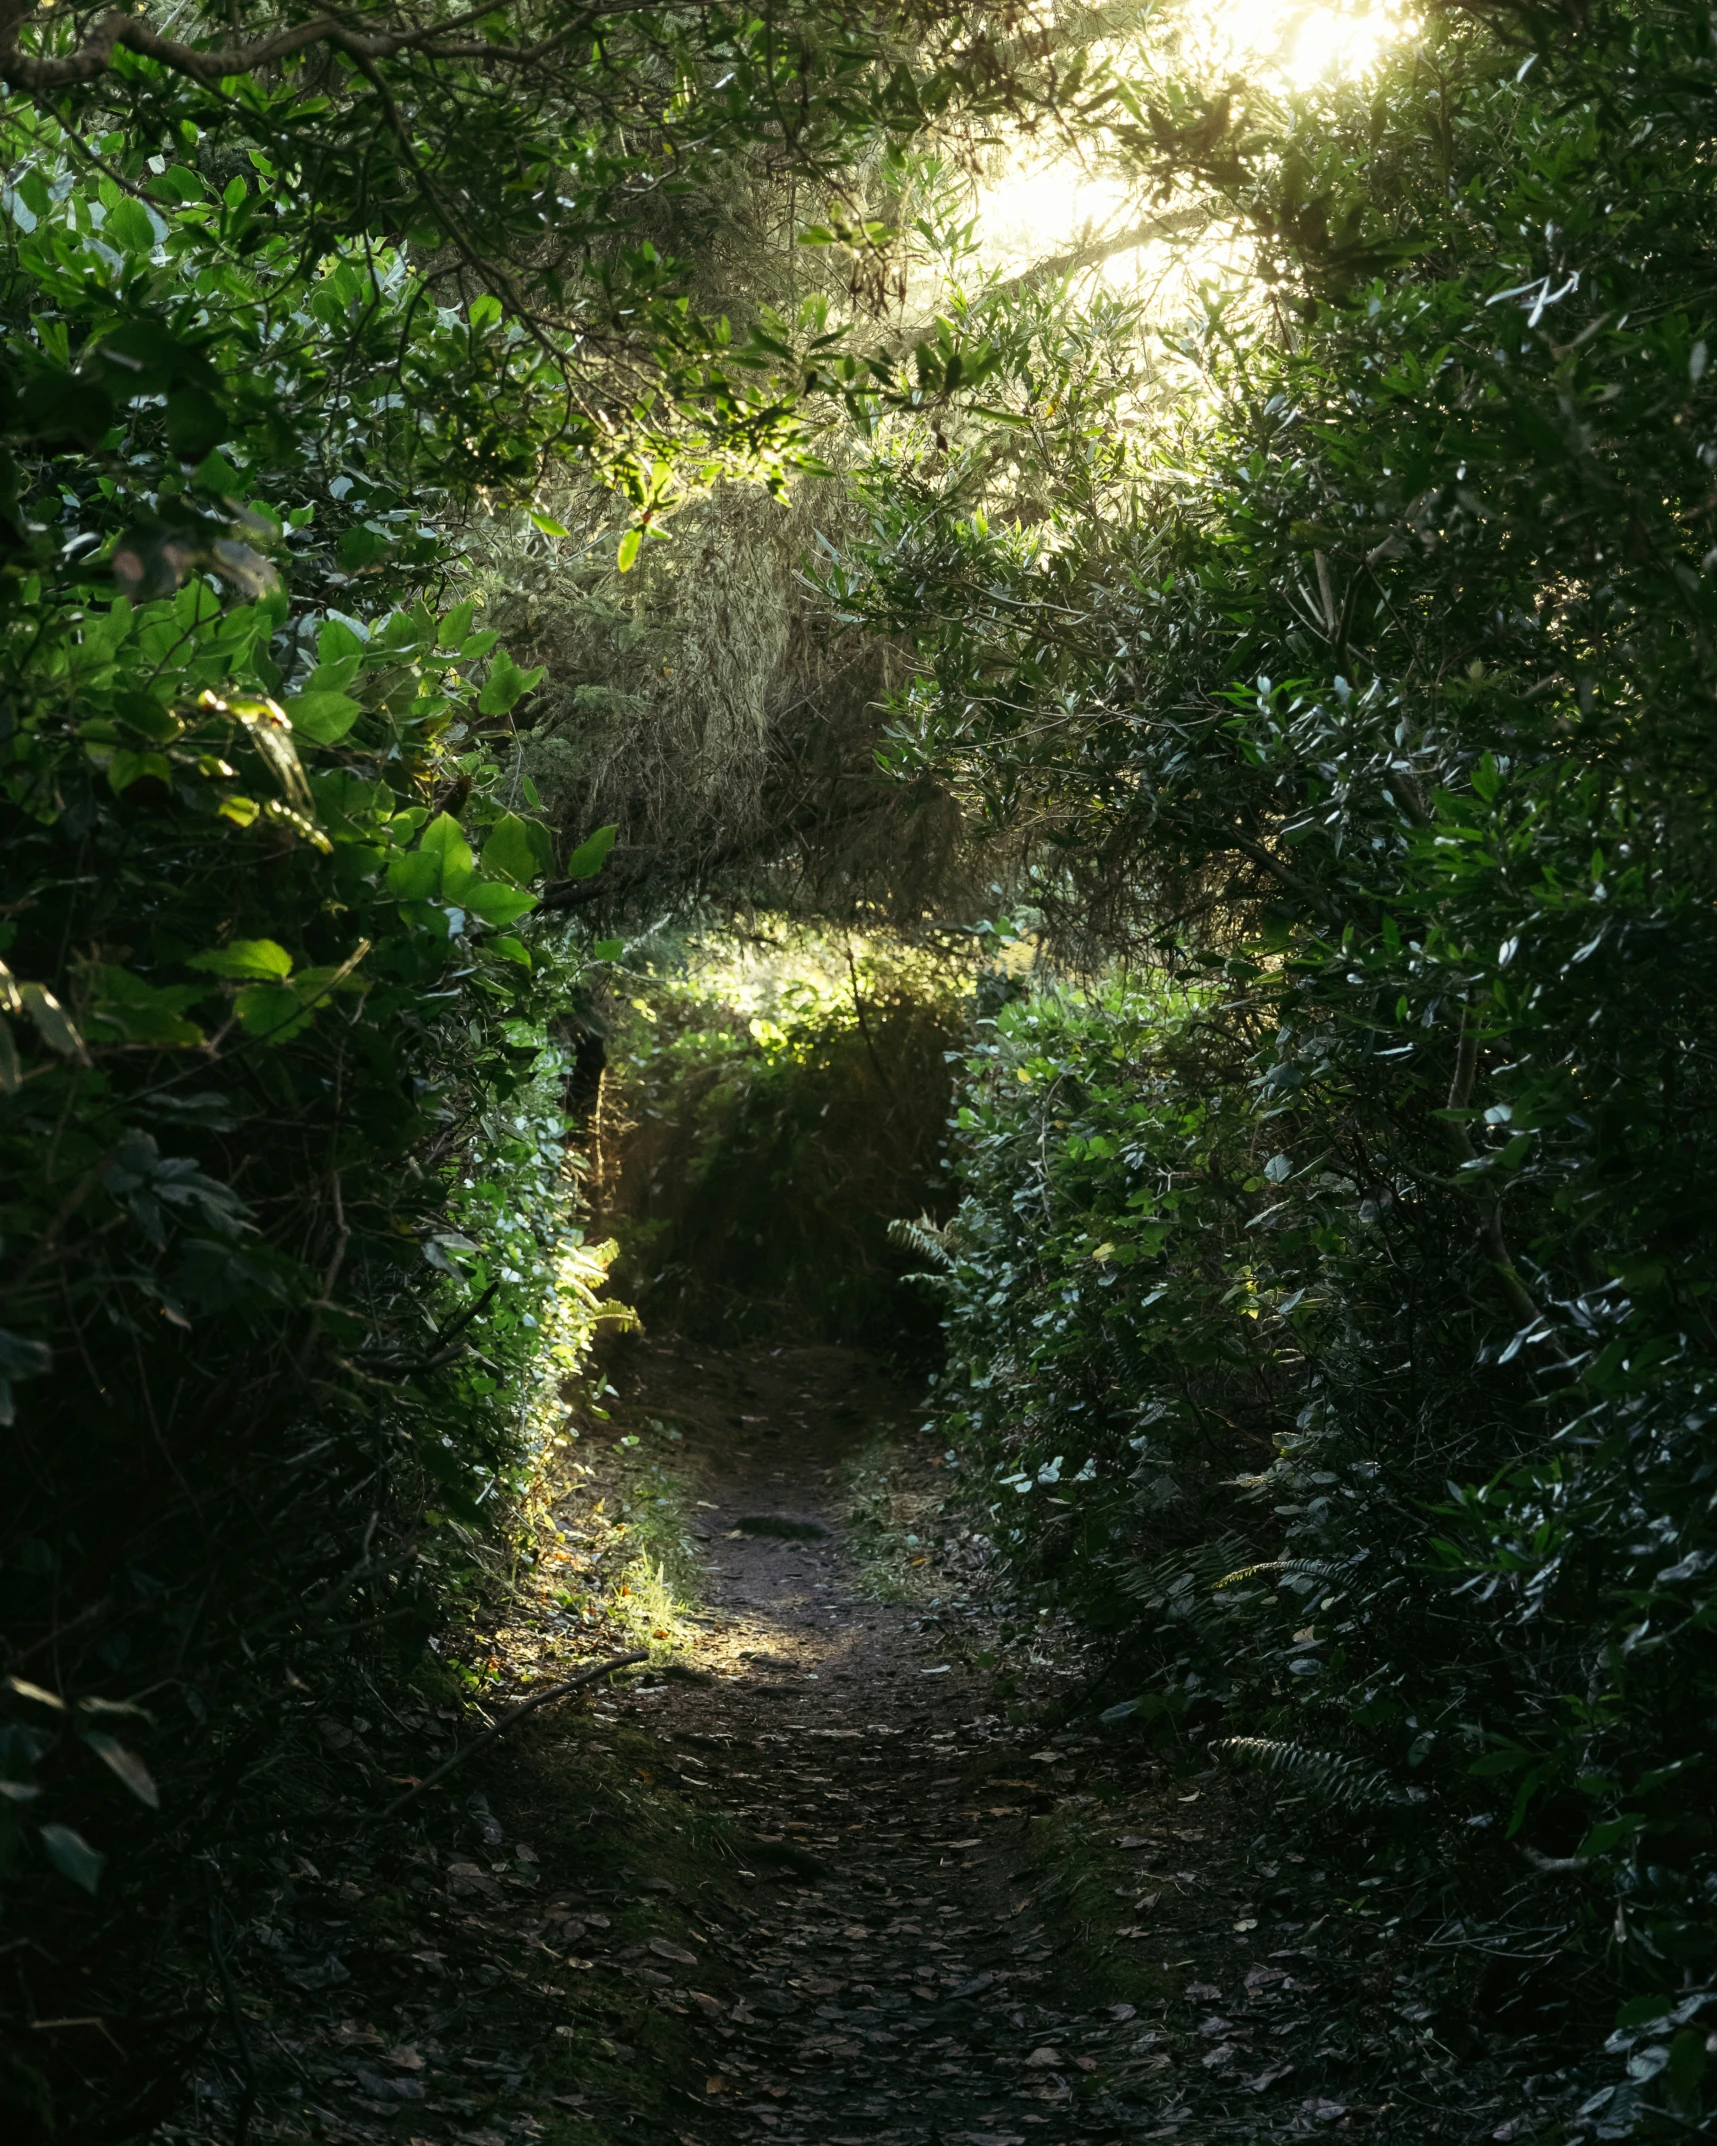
(871, 1962)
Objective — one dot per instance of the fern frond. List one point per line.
(1185, 1579)
(924, 1238)
(1325, 1774)
(1319, 1568)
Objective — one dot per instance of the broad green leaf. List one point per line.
(244, 959)
(496, 902)
(444, 840)
(518, 849)
(506, 685)
(178, 183)
(324, 718)
(586, 861)
(128, 227)
(1500, 1762)
(126, 768)
(415, 876)
(360, 547)
(627, 556)
(1687, 2065)
(124, 1008)
(266, 1009)
(54, 1025)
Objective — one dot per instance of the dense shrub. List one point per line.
(1379, 717)
(778, 1111)
(281, 1163)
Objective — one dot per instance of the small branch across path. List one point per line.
(508, 1721)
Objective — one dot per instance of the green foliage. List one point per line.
(285, 1193)
(1366, 695)
(282, 1148)
(780, 1110)
(534, 170)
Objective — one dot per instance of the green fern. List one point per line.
(1319, 1568)
(1325, 1774)
(924, 1238)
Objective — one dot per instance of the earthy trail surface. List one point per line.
(809, 1883)
(911, 1996)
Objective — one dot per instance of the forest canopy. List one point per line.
(479, 486)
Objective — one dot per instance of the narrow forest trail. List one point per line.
(908, 1994)
(807, 1882)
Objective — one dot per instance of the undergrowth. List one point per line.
(775, 1098)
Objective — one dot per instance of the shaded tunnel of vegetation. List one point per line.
(590, 689)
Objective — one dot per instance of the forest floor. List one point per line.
(826, 1875)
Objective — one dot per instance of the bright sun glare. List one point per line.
(1037, 208)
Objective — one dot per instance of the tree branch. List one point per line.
(94, 58)
(500, 1728)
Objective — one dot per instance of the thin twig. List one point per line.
(414, 1367)
(507, 1721)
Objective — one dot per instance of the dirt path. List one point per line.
(809, 1883)
(908, 1993)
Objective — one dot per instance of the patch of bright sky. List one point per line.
(1046, 207)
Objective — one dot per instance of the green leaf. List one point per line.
(1640, 2011)
(496, 902)
(608, 950)
(506, 685)
(73, 1857)
(324, 718)
(548, 525)
(125, 1009)
(627, 556)
(1608, 1834)
(361, 546)
(178, 183)
(518, 849)
(245, 958)
(128, 227)
(586, 861)
(444, 840)
(414, 877)
(126, 1764)
(54, 1025)
(126, 768)
(266, 1009)
(510, 949)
